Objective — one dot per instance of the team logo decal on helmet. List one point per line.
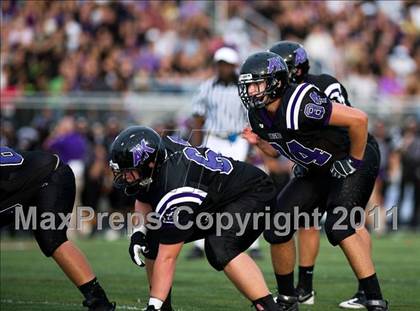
(301, 56)
(275, 63)
(141, 152)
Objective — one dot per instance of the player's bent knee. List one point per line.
(273, 236)
(337, 232)
(49, 241)
(216, 261)
(217, 264)
(219, 256)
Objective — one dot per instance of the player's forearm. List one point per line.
(197, 132)
(356, 121)
(265, 147)
(142, 209)
(197, 137)
(358, 133)
(162, 277)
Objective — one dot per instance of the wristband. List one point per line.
(141, 229)
(355, 162)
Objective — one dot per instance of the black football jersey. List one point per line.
(300, 129)
(22, 174)
(202, 180)
(330, 86)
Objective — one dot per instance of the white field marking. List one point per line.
(49, 303)
(18, 245)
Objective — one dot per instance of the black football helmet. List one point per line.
(134, 149)
(295, 57)
(259, 67)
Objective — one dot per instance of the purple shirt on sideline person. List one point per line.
(69, 147)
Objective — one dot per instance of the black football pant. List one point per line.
(344, 200)
(56, 196)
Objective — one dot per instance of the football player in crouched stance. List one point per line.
(175, 182)
(336, 164)
(40, 179)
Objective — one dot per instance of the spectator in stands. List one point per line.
(410, 159)
(89, 45)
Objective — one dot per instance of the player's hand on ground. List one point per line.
(138, 246)
(345, 167)
(250, 136)
(299, 170)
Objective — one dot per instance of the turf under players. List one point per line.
(40, 179)
(336, 164)
(168, 174)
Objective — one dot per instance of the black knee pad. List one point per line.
(57, 197)
(338, 228)
(50, 240)
(220, 254)
(218, 263)
(274, 236)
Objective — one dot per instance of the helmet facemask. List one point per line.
(130, 188)
(262, 98)
(293, 73)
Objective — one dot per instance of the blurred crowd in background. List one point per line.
(60, 47)
(63, 46)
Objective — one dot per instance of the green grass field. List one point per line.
(29, 281)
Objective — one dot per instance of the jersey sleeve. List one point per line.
(334, 90)
(256, 125)
(145, 196)
(176, 212)
(308, 108)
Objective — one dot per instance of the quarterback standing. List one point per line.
(298, 65)
(336, 164)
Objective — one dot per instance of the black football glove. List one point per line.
(299, 170)
(345, 167)
(138, 245)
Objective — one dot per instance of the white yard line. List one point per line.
(49, 303)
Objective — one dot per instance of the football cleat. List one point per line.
(287, 303)
(305, 297)
(95, 304)
(377, 305)
(358, 301)
(166, 307)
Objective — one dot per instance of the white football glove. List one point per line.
(138, 245)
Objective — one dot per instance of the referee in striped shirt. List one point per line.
(219, 118)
